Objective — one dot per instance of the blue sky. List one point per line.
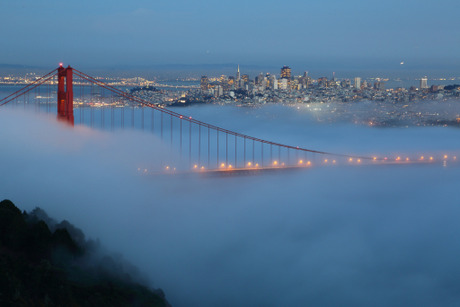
(138, 32)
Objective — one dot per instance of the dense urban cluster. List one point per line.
(303, 89)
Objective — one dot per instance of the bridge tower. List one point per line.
(65, 94)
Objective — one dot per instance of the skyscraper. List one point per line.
(238, 76)
(286, 72)
(357, 82)
(423, 83)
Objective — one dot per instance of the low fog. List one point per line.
(327, 236)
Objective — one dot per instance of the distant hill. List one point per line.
(45, 263)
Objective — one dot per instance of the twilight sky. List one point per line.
(109, 33)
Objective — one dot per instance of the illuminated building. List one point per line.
(238, 77)
(286, 72)
(204, 84)
(424, 83)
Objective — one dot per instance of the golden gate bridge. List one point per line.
(200, 146)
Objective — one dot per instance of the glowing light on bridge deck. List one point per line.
(422, 158)
(249, 164)
(195, 166)
(275, 163)
(325, 160)
(167, 168)
(257, 164)
(300, 161)
(445, 157)
(202, 168)
(309, 163)
(359, 160)
(407, 159)
(350, 160)
(222, 165)
(398, 159)
(374, 158)
(230, 166)
(333, 161)
(431, 158)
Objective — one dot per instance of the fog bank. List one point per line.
(326, 236)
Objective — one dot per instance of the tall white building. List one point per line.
(423, 83)
(357, 82)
